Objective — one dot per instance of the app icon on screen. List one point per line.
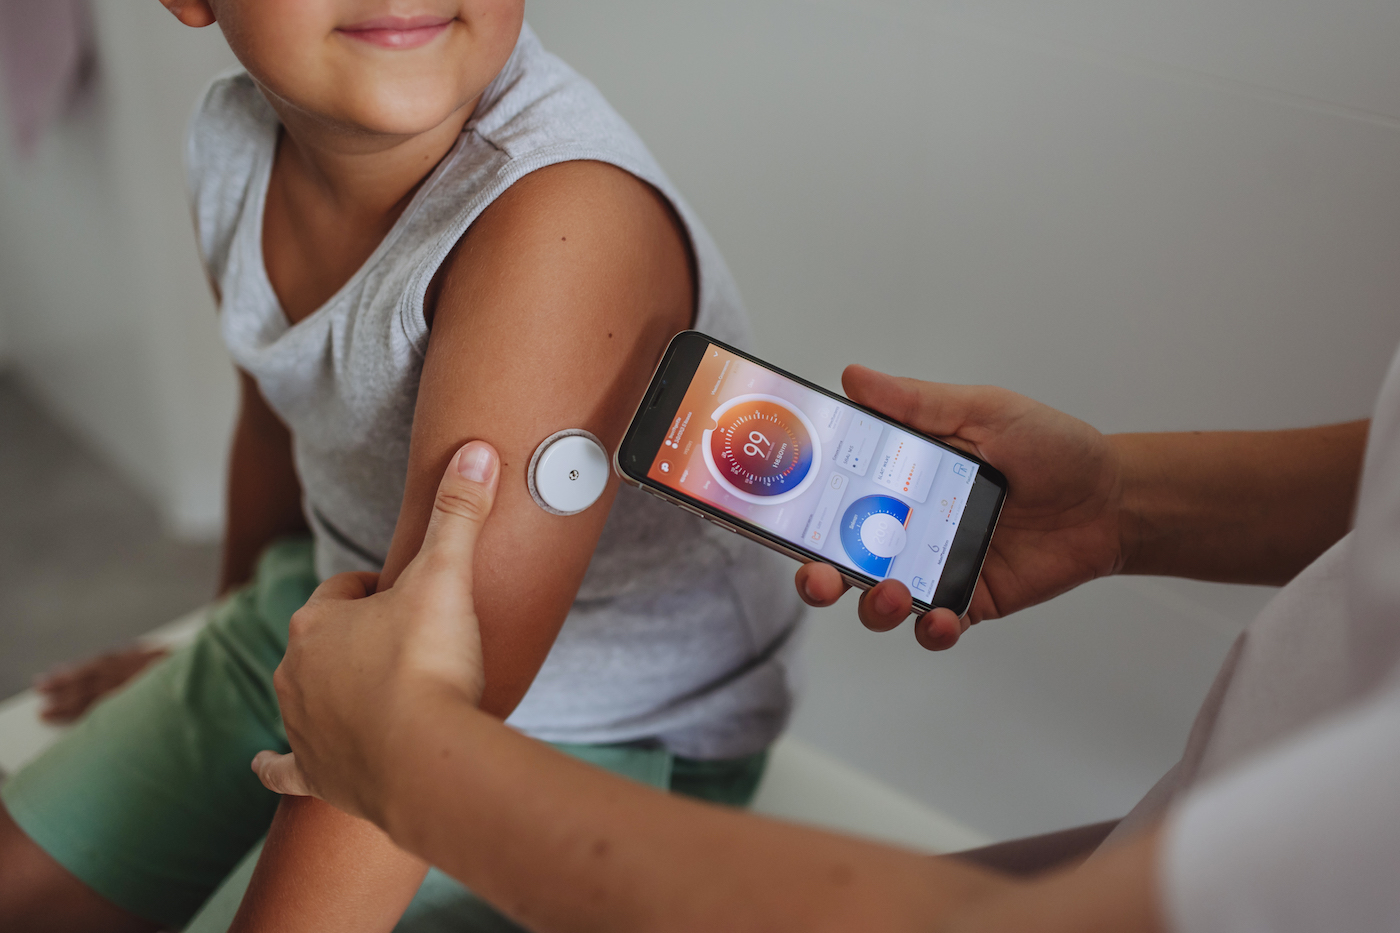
(873, 533)
(907, 465)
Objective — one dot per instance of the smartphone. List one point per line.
(768, 455)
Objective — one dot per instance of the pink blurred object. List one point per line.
(46, 58)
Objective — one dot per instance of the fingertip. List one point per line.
(855, 377)
(938, 630)
(819, 584)
(260, 761)
(855, 370)
(885, 606)
(279, 773)
(478, 462)
(890, 601)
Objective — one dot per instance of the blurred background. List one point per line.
(1155, 216)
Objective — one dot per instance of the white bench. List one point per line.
(803, 783)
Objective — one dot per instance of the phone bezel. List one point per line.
(664, 396)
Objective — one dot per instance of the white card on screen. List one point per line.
(568, 472)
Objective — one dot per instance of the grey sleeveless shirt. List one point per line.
(680, 634)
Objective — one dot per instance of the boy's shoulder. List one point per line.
(231, 127)
(231, 111)
(232, 132)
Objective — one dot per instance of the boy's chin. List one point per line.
(397, 114)
(390, 123)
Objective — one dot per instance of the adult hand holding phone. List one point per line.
(358, 665)
(1062, 522)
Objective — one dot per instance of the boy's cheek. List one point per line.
(274, 39)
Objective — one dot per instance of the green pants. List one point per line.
(150, 800)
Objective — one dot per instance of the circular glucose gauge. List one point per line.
(761, 449)
(873, 533)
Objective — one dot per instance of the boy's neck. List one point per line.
(362, 174)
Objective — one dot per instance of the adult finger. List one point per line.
(940, 629)
(820, 584)
(464, 499)
(281, 774)
(937, 408)
(352, 585)
(885, 606)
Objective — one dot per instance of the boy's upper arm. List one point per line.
(551, 313)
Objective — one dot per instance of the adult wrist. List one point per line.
(423, 735)
(1131, 490)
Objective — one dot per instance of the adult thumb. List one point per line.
(281, 774)
(937, 408)
(464, 499)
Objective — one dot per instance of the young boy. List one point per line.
(422, 229)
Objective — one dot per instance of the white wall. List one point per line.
(4, 340)
(1156, 217)
(107, 315)
(5, 348)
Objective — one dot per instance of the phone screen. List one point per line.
(860, 491)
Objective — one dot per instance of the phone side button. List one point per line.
(664, 498)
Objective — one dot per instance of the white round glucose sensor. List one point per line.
(568, 472)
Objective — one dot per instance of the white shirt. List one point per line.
(1285, 812)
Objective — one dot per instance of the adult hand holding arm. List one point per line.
(410, 645)
(378, 657)
(1228, 506)
(379, 695)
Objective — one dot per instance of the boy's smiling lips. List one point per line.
(398, 32)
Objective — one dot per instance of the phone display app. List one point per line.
(858, 447)
(907, 465)
(761, 449)
(859, 491)
(872, 532)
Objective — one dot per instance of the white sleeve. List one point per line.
(1304, 839)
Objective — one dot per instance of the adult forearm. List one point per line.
(1237, 506)
(1114, 892)
(564, 847)
(322, 870)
